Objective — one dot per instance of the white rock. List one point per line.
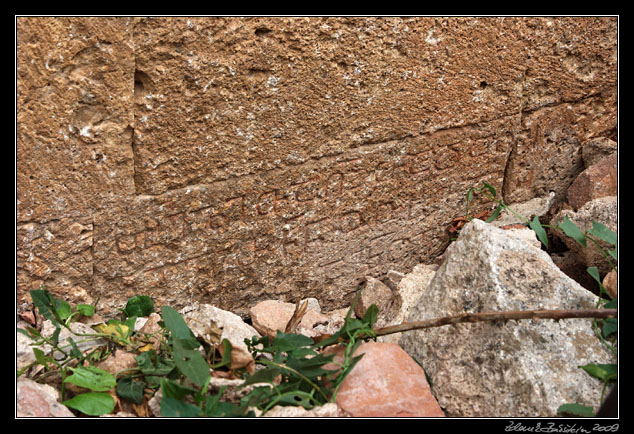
(326, 410)
(409, 289)
(505, 369)
(24, 351)
(199, 318)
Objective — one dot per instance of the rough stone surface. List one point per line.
(598, 180)
(376, 292)
(547, 154)
(505, 369)
(38, 400)
(409, 290)
(603, 210)
(386, 382)
(226, 159)
(596, 149)
(119, 361)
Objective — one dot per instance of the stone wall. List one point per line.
(228, 160)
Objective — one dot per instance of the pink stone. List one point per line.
(386, 382)
(38, 400)
(598, 180)
(270, 316)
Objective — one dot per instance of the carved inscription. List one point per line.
(326, 222)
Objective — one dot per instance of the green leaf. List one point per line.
(74, 349)
(610, 325)
(62, 309)
(495, 213)
(55, 336)
(601, 231)
(131, 389)
(171, 407)
(537, 227)
(86, 309)
(190, 362)
(226, 354)
(290, 341)
(172, 389)
(42, 301)
(613, 253)
(469, 196)
(151, 364)
(311, 367)
(594, 272)
(140, 305)
(216, 408)
(604, 372)
(42, 358)
(176, 324)
(371, 315)
(30, 332)
(296, 398)
(91, 403)
(490, 188)
(575, 410)
(612, 304)
(266, 375)
(90, 377)
(572, 231)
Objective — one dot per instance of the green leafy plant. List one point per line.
(70, 361)
(97, 380)
(290, 368)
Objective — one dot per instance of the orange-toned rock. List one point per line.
(386, 382)
(269, 316)
(610, 281)
(598, 180)
(223, 159)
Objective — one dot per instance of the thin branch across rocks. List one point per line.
(497, 316)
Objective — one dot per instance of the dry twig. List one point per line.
(300, 311)
(497, 316)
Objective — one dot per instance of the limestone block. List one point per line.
(409, 290)
(525, 369)
(222, 159)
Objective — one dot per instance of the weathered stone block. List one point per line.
(223, 159)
